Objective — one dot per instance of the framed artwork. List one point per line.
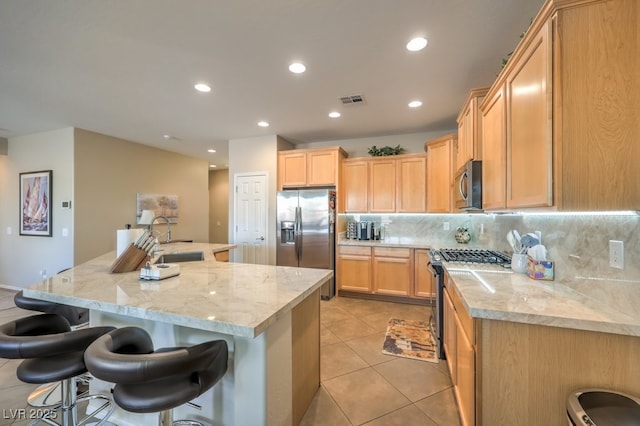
(35, 203)
(160, 204)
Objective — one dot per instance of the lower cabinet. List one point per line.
(459, 340)
(353, 268)
(388, 271)
(393, 271)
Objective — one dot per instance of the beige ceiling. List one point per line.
(126, 68)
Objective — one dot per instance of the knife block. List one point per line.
(130, 260)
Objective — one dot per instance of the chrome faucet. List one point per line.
(168, 226)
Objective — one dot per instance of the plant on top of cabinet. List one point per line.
(385, 151)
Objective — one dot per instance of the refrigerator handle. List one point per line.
(298, 232)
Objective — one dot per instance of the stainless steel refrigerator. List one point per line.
(306, 219)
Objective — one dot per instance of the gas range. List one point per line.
(471, 256)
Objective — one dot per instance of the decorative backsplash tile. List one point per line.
(577, 243)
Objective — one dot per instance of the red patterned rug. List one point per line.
(409, 339)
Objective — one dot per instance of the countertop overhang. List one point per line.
(600, 305)
(231, 298)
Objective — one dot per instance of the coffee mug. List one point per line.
(519, 263)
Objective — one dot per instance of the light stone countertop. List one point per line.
(490, 292)
(231, 298)
(387, 242)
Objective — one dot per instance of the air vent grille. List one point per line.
(352, 99)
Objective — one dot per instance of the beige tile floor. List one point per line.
(362, 386)
(359, 384)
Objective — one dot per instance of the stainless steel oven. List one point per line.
(436, 319)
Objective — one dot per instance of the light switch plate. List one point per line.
(616, 254)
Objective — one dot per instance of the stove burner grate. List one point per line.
(474, 256)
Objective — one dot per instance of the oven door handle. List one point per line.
(432, 269)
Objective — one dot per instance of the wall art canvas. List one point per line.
(162, 205)
(35, 203)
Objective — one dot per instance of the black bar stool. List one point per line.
(148, 381)
(52, 352)
(49, 394)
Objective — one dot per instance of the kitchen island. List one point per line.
(269, 316)
(524, 345)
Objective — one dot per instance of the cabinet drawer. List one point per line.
(355, 250)
(392, 252)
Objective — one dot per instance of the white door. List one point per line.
(251, 218)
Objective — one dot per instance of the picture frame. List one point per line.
(35, 203)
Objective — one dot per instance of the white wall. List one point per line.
(249, 155)
(23, 257)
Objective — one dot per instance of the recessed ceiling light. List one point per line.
(211, 150)
(212, 166)
(297, 68)
(415, 104)
(334, 114)
(263, 124)
(201, 87)
(416, 44)
(168, 137)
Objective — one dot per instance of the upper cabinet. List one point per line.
(567, 137)
(355, 188)
(440, 172)
(382, 185)
(385, 184)
(494, 150)
(529, 142)
(470, 128)
(411, 172)
(309, 167)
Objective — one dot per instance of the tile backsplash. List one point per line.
(577, 243)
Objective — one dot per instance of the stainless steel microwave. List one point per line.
(467, 188)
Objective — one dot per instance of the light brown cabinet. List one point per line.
(529, 142)
(355, 188)
(309, 167)
(386, 271)
(459, 346)
(393, 271)
(470, 128)
(353, 269)
(411, 184)
(382, 185)
(424, 283)
(385, 185)
(571, 128)
(494, 151)
(440, 173)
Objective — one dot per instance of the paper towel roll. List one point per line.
(125, 237)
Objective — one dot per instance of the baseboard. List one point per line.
(384, 298)
(10, 287)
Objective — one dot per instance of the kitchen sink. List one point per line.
(186, 256)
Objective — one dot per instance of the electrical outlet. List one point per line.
(445, 226)
(616, 254)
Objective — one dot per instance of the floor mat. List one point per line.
(409, 339)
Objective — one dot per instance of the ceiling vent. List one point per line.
(356, 99)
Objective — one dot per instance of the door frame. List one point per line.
(266, 207)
